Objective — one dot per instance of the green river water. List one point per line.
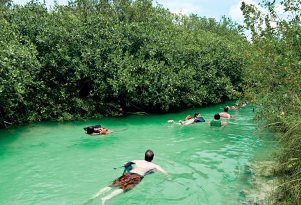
(57, 163)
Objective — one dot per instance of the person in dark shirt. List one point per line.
(197, 118)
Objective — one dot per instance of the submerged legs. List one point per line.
(114, 193)
(102, 191)
(105, 198)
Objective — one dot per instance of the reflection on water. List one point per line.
(56, 163)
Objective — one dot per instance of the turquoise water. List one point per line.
(56, 163)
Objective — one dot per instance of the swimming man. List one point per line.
(131, 178)
(225, 114)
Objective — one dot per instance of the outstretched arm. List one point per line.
(224, 123)
(160, 169)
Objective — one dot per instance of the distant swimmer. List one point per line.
(234, 107)
(188, 120)
(198, 118)
(134, 172)
(96, 130)
(237, 106)
(217, 121)
(225, 114)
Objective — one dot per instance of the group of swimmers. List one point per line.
(216, 122)
(132, 175)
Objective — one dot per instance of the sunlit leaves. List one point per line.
(109, 57)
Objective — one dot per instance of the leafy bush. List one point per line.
(91, 58)
(274, 82)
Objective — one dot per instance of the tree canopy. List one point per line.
(92, 58)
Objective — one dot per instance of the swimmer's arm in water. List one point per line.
(160, 169)
(224, 123)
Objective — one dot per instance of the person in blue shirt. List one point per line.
(197, 118)
(188, 120)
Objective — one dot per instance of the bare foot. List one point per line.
(103, 201)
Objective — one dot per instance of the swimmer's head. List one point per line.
(103, 131)
(149, 155)
(196, 115)
(217, 116)
(226, 109)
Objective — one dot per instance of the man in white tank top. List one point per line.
(131, 176)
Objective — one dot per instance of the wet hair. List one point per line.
(196, 114)
(149, 155)
(217, 116)
(91, 129)
(226, 109)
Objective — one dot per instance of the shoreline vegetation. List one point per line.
(90, 59)
(273, 84)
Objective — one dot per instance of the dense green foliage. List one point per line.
(18, 68)
(274, 84)
(93, 58)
